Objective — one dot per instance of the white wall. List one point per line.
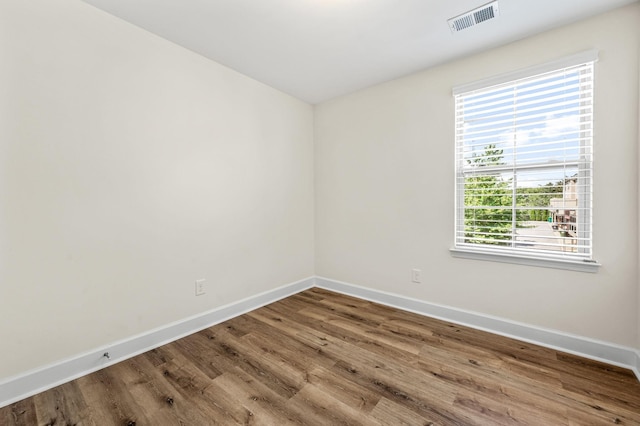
(129, 168)
(385, 193)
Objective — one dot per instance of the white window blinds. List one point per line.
(524, 165)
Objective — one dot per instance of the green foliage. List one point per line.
(538, 199)
(488, 200)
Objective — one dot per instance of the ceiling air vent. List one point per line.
(474, 17)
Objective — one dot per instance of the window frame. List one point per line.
(523, 256)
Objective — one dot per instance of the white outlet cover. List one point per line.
(200, 287)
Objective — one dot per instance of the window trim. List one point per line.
(568, 61)
(508, 256)
(522, 259)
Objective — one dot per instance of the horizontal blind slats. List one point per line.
(504, 103)
(524, 161)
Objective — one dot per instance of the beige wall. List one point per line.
(129, 168)
(385, 192)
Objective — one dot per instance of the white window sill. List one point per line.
(572, 265)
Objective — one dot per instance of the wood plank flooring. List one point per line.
(321, 358)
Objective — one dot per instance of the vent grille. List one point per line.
(474, 17)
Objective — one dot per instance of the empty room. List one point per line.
(319, 212)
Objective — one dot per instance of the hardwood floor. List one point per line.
(321, 358)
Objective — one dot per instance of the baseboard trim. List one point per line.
(33, 382)
(30, 383)
(589, 348)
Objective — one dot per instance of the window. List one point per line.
(524, 166)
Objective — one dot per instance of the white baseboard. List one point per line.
(30, 383)
(597, 350)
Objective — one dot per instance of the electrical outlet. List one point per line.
(416, 275)
(200, 287)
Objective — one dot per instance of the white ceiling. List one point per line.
(319, 49)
